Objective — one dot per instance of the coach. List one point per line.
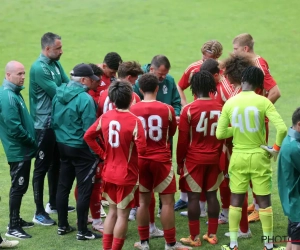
(18, 138)
(73, 112)
(46, 74)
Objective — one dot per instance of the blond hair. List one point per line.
(244, 39)
(214, 47)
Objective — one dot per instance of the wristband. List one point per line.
(276, 147)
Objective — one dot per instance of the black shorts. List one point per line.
(294, 232)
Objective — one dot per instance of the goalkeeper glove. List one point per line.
(273, 151)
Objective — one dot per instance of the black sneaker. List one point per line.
(17, 233)
(87, 236)
(65, 230)
(71, 209)
(43, 219)
(23, 224)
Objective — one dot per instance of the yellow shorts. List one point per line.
(254, 167)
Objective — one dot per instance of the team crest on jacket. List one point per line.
(165, 90)
(41, 155)
(21, 180)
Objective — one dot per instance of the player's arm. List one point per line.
(183, 140)
(12, 119)
(223, 130)
(173, 122)
(139, 137)
(274, 94)
(43, 78)
(91, 136)
(276, 119)
(182, 96)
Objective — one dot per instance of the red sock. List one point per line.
(225, 197)
(117, 244)
(144, 232)
(169, 235)
(95, 203)
(212, 226)
(244, 225)
(107, 241)
(194, 226)
(202, 197)
(76, 193)
(152, 209)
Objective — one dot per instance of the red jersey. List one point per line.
(123, 136)
(185, 80)
(224, 90)
(103, 85)
(269, 81)
(104, 103)
(159, 122)
(197, 142)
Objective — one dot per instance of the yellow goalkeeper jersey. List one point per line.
(246, 114)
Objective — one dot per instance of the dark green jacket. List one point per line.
(16, 126)
(73, 112)
(167, 92)
(45, 76)
(289, 175)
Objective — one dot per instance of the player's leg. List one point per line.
(153, 230)
(95, 206)
(19, 172)
(202, 203)
(109, 225)
(46, 144)
(213, 177)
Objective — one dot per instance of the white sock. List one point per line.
(183, 196)
(225, 212)
(233, 244)
(96, 221)
(202, 205)
(269, 245)
(152, 227)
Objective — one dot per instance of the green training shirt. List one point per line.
(45, 76)
(246, 113)
(289, 175)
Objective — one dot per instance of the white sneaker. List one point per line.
(144, 246)
(98, 226)
(203, 213)
(158, 213)
(102, 212)
(184, 213)
(177, 246)
(132, 214)
(8, 243)
(241, 234)
(49, 210)
(105, 203)
(156, 233)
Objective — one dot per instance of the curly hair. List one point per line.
(148, 82)
(204, 83)
(120, 93)
(234, 66)
(112, 60)
(97, 70)
(129, 69)
(254, 76)
(214, 47)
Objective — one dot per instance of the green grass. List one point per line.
(139, 29)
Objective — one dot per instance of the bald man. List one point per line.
(18, 139)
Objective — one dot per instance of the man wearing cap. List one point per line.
(73, 112)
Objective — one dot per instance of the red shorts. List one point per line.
(121, 196)
(157, 176)
(224, 161)
(200, 177)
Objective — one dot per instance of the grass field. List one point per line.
(138, 30)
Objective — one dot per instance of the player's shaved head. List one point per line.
(148, 83)
(15, 73)
(120, 93)
(12, 66)
(234, 66)
(203, 83)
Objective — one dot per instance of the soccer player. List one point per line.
(249, 162)
(156, 171)
(18, 139)
(128, 71)
(73, 112)
(211, 49)
(46, 74)
(110, 66)
(122, 137)
(288, 180)
(197, 142)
